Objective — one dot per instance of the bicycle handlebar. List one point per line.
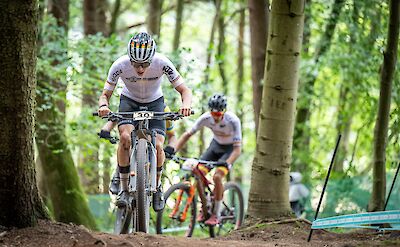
(208, 164)
(142, 115)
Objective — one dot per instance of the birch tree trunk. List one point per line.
(270, 171)
(258, 16)
(20, 203)
(377, 199)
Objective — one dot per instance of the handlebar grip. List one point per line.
(95, 114)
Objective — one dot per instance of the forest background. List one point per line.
(343, 42)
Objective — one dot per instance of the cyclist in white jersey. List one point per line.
(141, 71)
(225, 146)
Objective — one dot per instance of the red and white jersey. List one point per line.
(227, 131)
(147, 87)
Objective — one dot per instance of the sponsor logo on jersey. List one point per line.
(116, 74)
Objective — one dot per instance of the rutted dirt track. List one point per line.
(289, 233)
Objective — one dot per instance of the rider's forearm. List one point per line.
(104, 98)
(186, 95)
(182, 141)
(234, 155)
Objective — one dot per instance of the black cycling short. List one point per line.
(129, 105)
(217, 152)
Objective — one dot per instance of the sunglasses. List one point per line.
(217, 113)
(143, 65)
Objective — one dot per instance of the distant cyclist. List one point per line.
(298, 192)
(225, 146)
(141, 70)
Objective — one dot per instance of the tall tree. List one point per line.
(377, 200)
(154, 18)
(302, 131)
(240, 76)
(221, 50)
(206, 80)
(258, 15)
(20, 204)
(277, 117)
(240, 64)
(178, 25)
(94, 22)
(60, 174)
(114, 16)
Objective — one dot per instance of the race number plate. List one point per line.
(141, 115)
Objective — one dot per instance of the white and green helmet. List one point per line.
(141, 48)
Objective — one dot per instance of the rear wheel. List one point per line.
(172, 220)
(143, 198)
(232, 211)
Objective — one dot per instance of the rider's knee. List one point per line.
(125, 140)
(159, 143)
(217, 177)
(159, 146)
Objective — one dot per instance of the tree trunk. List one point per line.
(343, 127)
(377, 199)
(302, 131)
(258, 15)
(207, 69)
(101, 18)
(93, 22)
(221, 51)
(240, 82)
(178, 25)
(114, 16)
(68, 200)
(154, 18)
(276, 124)
(175, 49)
(20, 203)
(94, 17)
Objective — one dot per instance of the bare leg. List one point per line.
(123, 154)
(218, 192)
(160, 156)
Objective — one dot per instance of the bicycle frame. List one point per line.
(200, 180)
(143, 168)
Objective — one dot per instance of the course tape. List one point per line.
(360, 220)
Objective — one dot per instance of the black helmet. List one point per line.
(217, 102)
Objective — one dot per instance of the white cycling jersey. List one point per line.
(147, 87)
(227, 131)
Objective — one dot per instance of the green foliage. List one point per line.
(352, 63)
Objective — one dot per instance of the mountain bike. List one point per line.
(143, 170)
(181, 202)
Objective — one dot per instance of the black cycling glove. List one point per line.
(107, 135)
(169, 151)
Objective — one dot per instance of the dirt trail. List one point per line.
(262, 234)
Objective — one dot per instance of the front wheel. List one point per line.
(122, 219)
(142, 184)
(179, 213)
(232, 211)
